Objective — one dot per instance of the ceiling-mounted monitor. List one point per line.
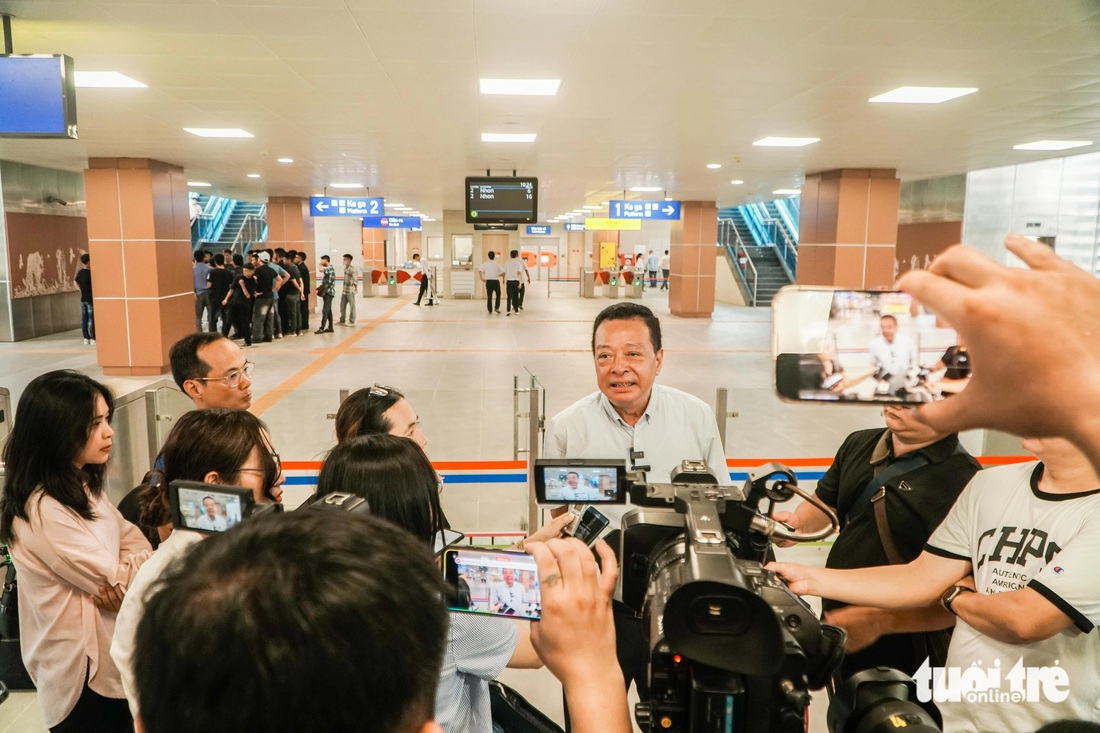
(502, 200)
(496, 227)
(38, 96)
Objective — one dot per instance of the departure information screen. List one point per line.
(502, 200)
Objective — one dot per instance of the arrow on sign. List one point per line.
(321, 206)
(668, 210)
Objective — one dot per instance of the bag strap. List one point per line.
(882, 474)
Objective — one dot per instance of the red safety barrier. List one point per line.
(403, 276)
(603, 277)
(628, 277)
(378, 276)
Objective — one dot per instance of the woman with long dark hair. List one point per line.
(74, 554)
(214, 446)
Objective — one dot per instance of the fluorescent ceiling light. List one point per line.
(646, 189)
(591, 208)
(508, 137)
(286, 160)
(253, 175)
(218, 132)
(737, 182)
(198, 184)
(106, 80)
(345, 185)
(786, 192)
(394, 206)
(1053, 145)
(785, 142)
(714, 166)
(528, 87)
(668, 198)
(922, 95)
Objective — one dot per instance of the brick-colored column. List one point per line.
(374, 251)
(692, 260)
(290, 226)
(848, 228)
(139, 239)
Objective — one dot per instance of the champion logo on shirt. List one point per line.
(1058, 569)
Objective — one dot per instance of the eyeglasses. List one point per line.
(380, 390)
(278, 466)
(233, 379)
(439, 481)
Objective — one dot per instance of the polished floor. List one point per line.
(457, 365)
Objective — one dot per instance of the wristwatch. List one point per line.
(951, 594)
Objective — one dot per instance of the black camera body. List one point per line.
(731, 648)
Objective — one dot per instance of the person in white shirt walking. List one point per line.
(513, 271)
(491, 273)
(665, 268)
(424, 276)
(651, 263)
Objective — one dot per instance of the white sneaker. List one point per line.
(93, 342)
(86, 342)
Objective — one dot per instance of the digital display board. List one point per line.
(37, 96)
(502, 200)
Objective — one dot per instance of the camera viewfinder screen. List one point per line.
(209, 511)
(495, 583)
(587, 484)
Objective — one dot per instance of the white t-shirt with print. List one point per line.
(1016, 536)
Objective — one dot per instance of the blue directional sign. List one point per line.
(391, 222)
(343, 206)
(539, 229)
(644, 210)
(574, 227)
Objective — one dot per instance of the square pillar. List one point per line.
(692, 260)
(848, 228)
(290, 226)
(139, 239)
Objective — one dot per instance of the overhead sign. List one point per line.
(391, 222)
(337, 206)
(644, 209)
(574, 227)
(539, 229)
(631, 225)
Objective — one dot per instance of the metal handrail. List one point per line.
(251, 228)
(787, 249)
(742, 252)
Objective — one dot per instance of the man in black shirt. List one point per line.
(221, 282)
(303, 269)
(890, 489)
(263, 303)
(290, 295)
(240, 303)
(83, 281)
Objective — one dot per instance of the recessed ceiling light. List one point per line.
(922, 95)
(106, 80)
(529, 87)
(591, 208)
(714, 166)
(786, 192)
(508, 137)
(785, 142)
(394, 206)
(737, 182)
(345, 185)
(668, 198)
(1053, 145)
(286, 160)
(646, 189)
(218, 132)
(604, 203)
(253, 175)
(198, 184)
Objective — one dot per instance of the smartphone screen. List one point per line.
(493, 582)
(579, 483)
(590, 525)
(859, 346)
(208, 510)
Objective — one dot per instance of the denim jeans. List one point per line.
(87, 320)
(263, 318)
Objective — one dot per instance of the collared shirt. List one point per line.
(514, 269)
(651, 262)
(198, 274)
(507, 595)
(896, 357)
(328, 281)
(478, 650)
(663, 264)
(62, 560)
(351, 280)
(492, 270)
(676, 427)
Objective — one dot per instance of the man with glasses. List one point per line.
(890, 487)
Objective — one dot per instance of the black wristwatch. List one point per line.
(951, 594)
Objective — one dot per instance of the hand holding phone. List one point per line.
(493, 582)
(587, 524)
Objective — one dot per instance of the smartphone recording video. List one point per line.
(208, 508)
(493, 582)
(860, 346)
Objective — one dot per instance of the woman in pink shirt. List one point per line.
(73, 552)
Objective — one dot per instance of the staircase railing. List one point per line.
(786, 249)
(743, 265)
(788, 214)
(253, 229)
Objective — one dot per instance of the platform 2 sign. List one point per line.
(391, 222)
(344, 206)
(644, 210)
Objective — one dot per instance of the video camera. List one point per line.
(731, 647)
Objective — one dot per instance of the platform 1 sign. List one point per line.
(344, 206)
(391, 222)
(538, 229)
(631, 225)
(644, 209)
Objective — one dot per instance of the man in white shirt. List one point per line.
(651, 263)
(424, 275)
(507, 595)
(491, 273)
(211, 521)
(892, 354)
(665, 267)
(513, 271)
